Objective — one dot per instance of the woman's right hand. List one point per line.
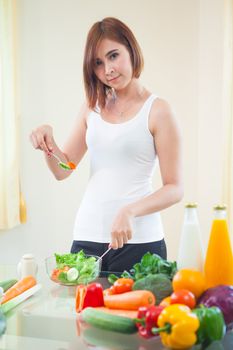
(42, 138)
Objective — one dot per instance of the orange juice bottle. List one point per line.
(218, 267)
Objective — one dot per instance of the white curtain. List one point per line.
(228, 111)
(9, 123)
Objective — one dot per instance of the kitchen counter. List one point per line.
(48, 320)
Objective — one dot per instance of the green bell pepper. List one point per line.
(212, 325)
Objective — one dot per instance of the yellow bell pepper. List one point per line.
(177, 327)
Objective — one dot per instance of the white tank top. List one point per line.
(122, 159)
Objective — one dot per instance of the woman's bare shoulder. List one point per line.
(161, 106)
(161, 113)
(84, 111)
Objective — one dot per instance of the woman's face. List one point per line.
(113, 64)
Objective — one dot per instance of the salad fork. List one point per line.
(101, 257)
(65, 166)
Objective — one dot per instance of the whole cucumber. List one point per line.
(103, 320)
(7, 284)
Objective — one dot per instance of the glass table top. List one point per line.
(48, 320)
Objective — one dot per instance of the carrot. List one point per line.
(129, 300)
(125, 313)
(56, 272)
(71, 165)
(18, 288)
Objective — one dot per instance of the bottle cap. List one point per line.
(28, 256)
(191, 205)
(220, 207)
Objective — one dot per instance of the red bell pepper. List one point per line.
(147, 318)
(90, 295)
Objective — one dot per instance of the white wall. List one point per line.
(211, 123)
(182, 44)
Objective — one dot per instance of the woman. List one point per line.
(127, 131)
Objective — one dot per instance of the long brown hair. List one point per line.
(113, 29)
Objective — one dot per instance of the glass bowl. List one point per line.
(83, 272)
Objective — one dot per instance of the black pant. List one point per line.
(123, 258)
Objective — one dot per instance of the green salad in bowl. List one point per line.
(73, 268)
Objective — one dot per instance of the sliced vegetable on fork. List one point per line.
(63, 165)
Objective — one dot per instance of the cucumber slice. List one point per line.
(72, 274)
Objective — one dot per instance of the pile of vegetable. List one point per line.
(153, 299)
(179, 324)
(75, 268)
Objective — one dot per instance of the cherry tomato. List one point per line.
(54, 275)
(122, 285)
(183, 296)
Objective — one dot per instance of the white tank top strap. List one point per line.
(145, 110)
(149, 102)
(95, 112)
(144, 113)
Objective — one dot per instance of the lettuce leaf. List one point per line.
(87, 266)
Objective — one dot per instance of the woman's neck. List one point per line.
(123, 102)
(133, 91)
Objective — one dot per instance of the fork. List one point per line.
(106, 251)
(63, 165)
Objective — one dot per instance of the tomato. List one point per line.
(122, 285)
(185, 297)
(54, 275)
(192, 280)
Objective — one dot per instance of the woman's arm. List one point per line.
(73, 150)
(165, 131)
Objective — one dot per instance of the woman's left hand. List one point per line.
(121, 229)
